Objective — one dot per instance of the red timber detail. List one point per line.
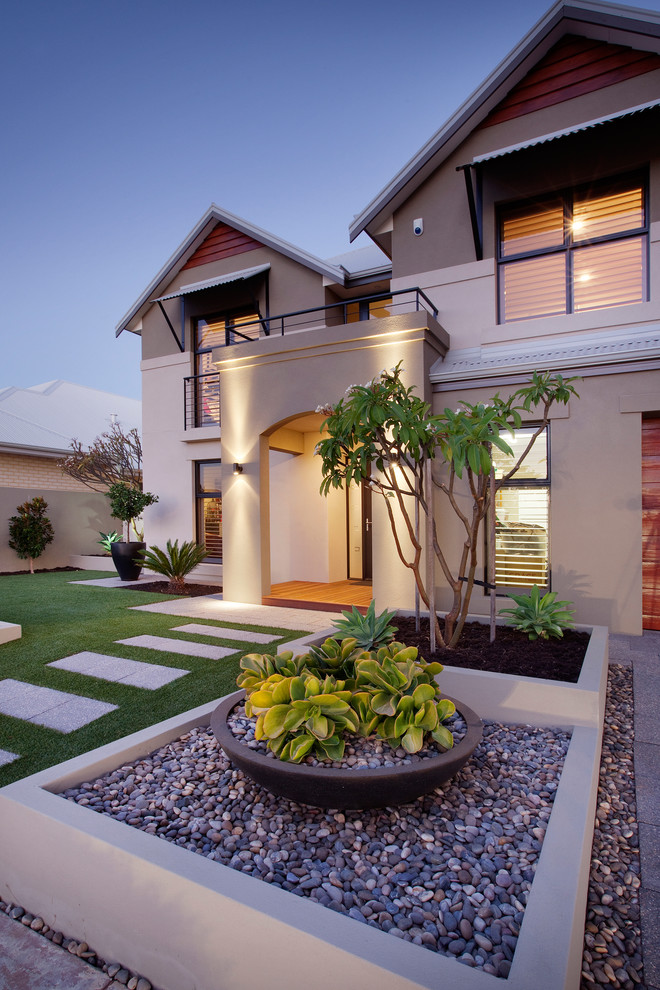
(574, 66)
(651, 523)
(222, 242)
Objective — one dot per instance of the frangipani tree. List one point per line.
(383, 434)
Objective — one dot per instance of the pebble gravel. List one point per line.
(612, 939)
(450, 872)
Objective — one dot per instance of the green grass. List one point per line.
(59, 619)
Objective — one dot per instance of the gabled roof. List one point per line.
(195, 238)
(590, 18)
(46, 418)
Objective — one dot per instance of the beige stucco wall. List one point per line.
(78, 517)
(291, 286)
(595, 498)
(264, 386)
(170, 451)
(442, 261)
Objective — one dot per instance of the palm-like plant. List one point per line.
(175, 562)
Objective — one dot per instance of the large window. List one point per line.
(522, 514)
(578, 250)
(208, 498)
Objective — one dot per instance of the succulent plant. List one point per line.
(297, 715)
(258, 667)
(308, 703)
(370, 631)
(539, 616)
(398, 697)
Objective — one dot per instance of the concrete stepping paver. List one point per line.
(7, 757)
(178, 646)
(242, 635)
(52, 709)
(120, 670)
(211, 607)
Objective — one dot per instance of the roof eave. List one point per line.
(214, 215)
(556, 22)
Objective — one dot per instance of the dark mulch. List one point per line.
(511, 653)
(39, 570)
(189, 590)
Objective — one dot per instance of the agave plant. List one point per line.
(175, 562)
(370, 631)
(107, 539)
(539, 617)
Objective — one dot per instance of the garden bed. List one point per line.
(556, 659)
(196, 920)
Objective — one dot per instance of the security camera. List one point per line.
(418, 227)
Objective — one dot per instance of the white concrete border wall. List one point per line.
(188, 923)
(9, 631)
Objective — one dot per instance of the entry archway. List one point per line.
(318, 550)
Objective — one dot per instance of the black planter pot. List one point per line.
(325, 787)
(125, 557)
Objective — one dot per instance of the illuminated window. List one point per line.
(368, 309)
(579, 250)
(208, 498)
(522, 514)
(216, 331)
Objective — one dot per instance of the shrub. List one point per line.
(31, 530)
(301, 708)
(175, 562)
(539, 616)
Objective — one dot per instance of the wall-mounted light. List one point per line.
(238, 468)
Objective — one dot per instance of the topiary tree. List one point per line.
(30, 531)
(384, 425)
(128, 504)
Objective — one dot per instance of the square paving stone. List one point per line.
(242, 635)
(650, 905)
(649, 851)
(7, 757)
(120, 670)
(178, 646)
(44, 706)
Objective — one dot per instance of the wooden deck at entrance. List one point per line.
(333, 597)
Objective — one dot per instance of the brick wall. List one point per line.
(26, 471)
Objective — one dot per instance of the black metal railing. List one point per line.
(338, 313)
(202, 392)
(201, 400)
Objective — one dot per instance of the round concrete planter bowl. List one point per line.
(325, 787)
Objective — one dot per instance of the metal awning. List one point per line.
(472, 170)
(210, 283)
(555, 135)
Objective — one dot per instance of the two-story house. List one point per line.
(525, 234)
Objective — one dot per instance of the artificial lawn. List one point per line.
(59, 619)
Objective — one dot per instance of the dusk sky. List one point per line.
(123, 121)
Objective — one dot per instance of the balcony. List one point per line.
(201, 400)
(202, 392)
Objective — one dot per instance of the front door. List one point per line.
(651, 523)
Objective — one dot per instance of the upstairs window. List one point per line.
(579, 250)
